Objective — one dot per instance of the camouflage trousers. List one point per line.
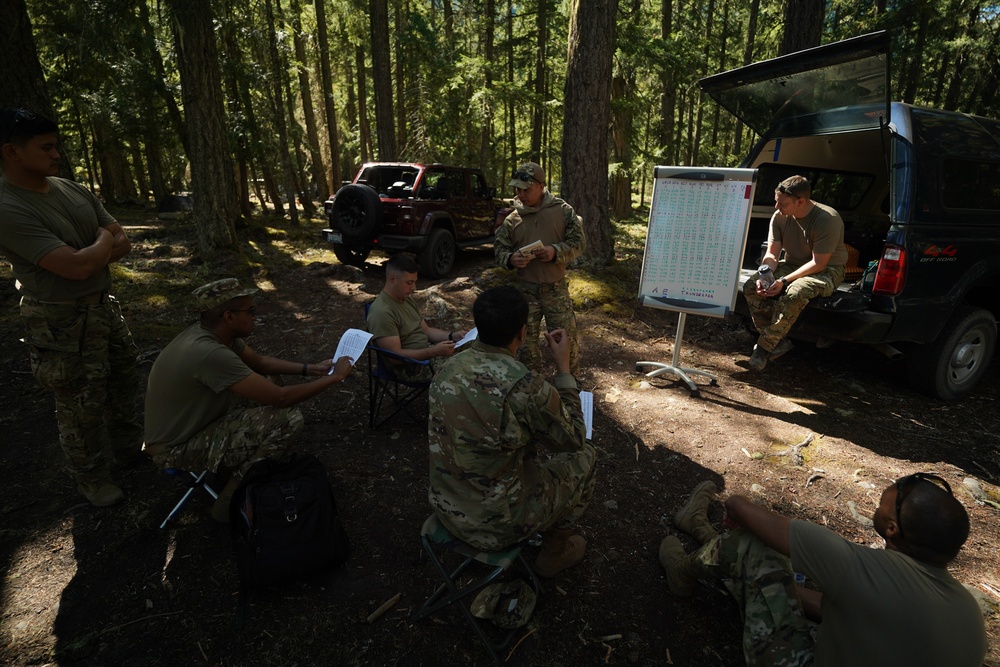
(561, 496)
(775, 629)
(84, 354)
(773, 317)
(237, 439)
(551, 301)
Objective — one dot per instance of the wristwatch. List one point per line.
(783, 281)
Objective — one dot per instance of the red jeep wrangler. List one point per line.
(430, 210)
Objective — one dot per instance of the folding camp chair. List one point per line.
(384, 383)
(437, 539)
(194, 481)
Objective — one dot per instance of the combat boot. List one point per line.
(682, 571)
(100, 492)
(693, 517)
(561, 549)
(220, 509)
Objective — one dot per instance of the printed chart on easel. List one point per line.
(697, 232)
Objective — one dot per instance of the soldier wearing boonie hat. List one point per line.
(216, 293)
(538, 239)
(209, 402)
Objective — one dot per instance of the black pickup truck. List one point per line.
(430, 210)
(919, 192)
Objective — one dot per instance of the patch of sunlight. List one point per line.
(40, 568)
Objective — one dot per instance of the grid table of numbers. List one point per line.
(694, 239)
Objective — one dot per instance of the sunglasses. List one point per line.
(20, 116)
(905, 485)
(252, 310)
(524, 176)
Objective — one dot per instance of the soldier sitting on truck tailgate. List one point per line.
(812, 236)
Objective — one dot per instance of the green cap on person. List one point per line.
(216, 293)
(525, 173)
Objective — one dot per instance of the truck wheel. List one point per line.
(350, 256)
(954, 363)
(438, 258)
(357, 211)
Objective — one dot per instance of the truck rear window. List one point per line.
(970, 184)
(841, 190)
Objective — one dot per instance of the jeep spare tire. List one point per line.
(357, 211)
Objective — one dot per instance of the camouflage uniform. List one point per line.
(775, 631)
(820, 231)
(488, 483)
(84, 354)
(544, 284)
(79, 345)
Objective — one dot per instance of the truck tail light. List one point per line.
(891, 274)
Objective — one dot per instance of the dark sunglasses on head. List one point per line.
(524, 176)
(20, 116)
(904, 485)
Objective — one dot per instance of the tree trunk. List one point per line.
(587, 111)
(538, 115)
(668, 88)
(747, 59)
(510, 104)
(317, 167)
(803, 25)
(382, 75)
(486, 133)
(364, 131)
(329, 101)
(216, 205)
(278, 109)
(400, 69)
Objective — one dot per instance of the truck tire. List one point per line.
(438, 258)
(351, 256)
(357, 211)
(954, 363)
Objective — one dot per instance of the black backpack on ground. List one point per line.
(284, 523)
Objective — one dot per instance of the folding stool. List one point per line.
(434, 537)
(193, 481)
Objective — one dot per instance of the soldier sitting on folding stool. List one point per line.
(489, 416)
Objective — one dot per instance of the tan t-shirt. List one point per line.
(821, 231)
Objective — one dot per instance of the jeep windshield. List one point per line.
(810, 92)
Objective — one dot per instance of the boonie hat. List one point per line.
(525, 174)
(506, 605)
(219, 292)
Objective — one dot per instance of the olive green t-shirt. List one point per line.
(388, 317)
(33, 224)
(189, 384)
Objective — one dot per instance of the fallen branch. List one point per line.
(519, 641)
(813, 478)
(139, 620)
(794, 453)
(389, 604)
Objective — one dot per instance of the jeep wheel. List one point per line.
(953, 364)
(357, 211)
(438, 258)
(351, 256)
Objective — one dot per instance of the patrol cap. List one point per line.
(507, 605)
(219, 292)
(527, 172)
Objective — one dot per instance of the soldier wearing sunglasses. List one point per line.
(60, 242)
(554, 232)
(897, 606)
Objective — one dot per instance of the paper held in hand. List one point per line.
(587, 405)
(352, 344)
(532, 248)
(469, 337)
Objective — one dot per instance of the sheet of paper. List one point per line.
(587, 403)
(469, 337)
(352, 344)
(532, 247)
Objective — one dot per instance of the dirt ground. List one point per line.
(85, 586)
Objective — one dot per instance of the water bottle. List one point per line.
(765, 275)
